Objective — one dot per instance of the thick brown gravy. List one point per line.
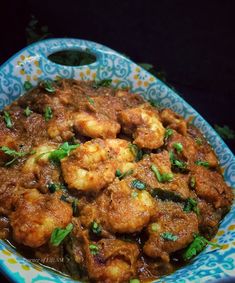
(100, 185)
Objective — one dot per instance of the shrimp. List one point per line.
(92, 166)
(40, 168)
(116, 261)
(145, 125)
(96, 125)
(37, 215)
(174, 121)
(40, 157)
(128, 209)
(120, 208)
(183, 230)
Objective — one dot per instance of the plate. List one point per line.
(32, 65)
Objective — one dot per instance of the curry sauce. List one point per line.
(100, 185)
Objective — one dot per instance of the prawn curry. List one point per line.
(100, 185)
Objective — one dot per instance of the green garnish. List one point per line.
(178, 146)
(154, 227)
(64, 198)
(198, 141)
(95, 228)
(93, 249)
(153, 103)
(53, 187)
(7, 119)
(47, 85)
(48, 114)
(27, 85)
(164, 177)
(27, 111)
(197, 246)
(134, 281)
(202, 163)
(192, 182)
(59, 234)
(102, 83)
(15, 154)
(137, 152)
(191, 205)
(137, 184)
(134, 194)
(75, 207)
(225, 132)
(169, 236)
(90, 100)
(121, 175)
(177, 163)
(63, 151)
(168, 133)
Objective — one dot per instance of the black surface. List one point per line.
(192, 41)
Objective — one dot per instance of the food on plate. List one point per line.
(98, 184)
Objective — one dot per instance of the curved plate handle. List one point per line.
(31, 65)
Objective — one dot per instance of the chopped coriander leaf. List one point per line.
(102, 83)
(53, 187)
(178, 146)
(118, 173)
(192, 182)
(164, 177)
(177, 163)
(134, 194)
(90, 100)
(134, 281)
(169, 236)
(64, 198)
(95, 228)
(7, 119)
(168, 133)
(137, 184)
(180, 164)
(27, 111)
(93, 249)
(15, 154)
(27, 85)
(197, 246)
(191, 205)
(172, 156)
(48, 114)
(198, 141)
(75, 207)
(48, 86)
(153, 103)
(59, 234)
(63, 151)
(154, 227)
(123, 175)
(137, 152)
(202, 163)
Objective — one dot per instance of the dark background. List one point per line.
(191, 42)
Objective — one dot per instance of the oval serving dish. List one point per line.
(32, 65)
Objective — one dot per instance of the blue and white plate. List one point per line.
(32, 65)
